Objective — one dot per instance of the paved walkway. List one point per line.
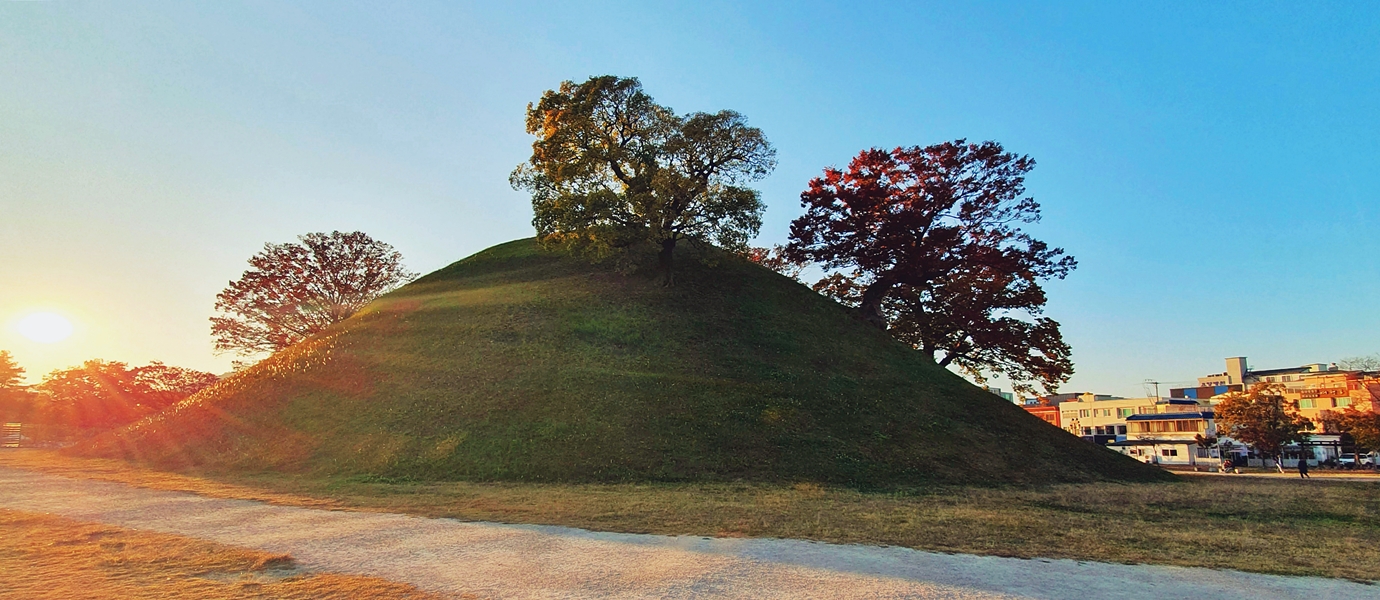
(518, 561)
(1317, 474)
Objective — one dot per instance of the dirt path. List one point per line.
(520, 561)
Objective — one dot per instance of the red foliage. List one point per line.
(102, 394)
(775, 258)
(926, 243)
(295, 290)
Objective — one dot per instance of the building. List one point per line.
(1048, 412)
(1100, 418)
(1321, 392)
(1170, 435)
(1316, 389)
(1007, 396)
(1240, 376)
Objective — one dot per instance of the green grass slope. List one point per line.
(517, 364)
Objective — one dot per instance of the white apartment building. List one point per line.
(1169, 436)
(1102, 418)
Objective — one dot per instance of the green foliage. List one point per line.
(519, 364)
(612, 168)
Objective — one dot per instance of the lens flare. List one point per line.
(44, 327)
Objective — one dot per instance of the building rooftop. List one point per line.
(1286, 371)
(1207, 414)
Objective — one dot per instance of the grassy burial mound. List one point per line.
(517, 364)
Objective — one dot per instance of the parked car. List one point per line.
(1349, 462)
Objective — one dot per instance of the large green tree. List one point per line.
(611, 168)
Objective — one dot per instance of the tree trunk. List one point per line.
(664, 259)
(870, 307)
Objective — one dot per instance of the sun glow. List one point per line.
(44, 327)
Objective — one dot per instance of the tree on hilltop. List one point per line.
(926, 243)
(294, 290)
(611, 168)
(1262, 418)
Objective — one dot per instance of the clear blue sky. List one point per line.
(1213, 166)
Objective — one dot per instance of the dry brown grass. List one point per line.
(1327, 528)
(47, 557)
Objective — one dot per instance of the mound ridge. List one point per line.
(518, 364)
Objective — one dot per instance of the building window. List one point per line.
(1343, 402)
(1169, 452)
(1287, 378)
(1083, 413)
(1145, 410)
(1087, 431)
(1306, 403)
(1125, 412)
(1121, 429)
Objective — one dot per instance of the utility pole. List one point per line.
(1146, 386)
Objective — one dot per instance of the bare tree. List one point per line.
(1360, 363)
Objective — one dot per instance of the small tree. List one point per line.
(295, 290)
(612, 168)
(926, 243)
(1261, 418)
(13, 394)
(1363, 427)
(11, 374)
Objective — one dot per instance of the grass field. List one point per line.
(519, 365)
(1326, 528)
(50, 558)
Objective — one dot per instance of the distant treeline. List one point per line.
(96, 396)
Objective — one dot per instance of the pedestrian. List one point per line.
(1303, 468)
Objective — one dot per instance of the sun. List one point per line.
(44, 327)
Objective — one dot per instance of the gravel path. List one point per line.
(522, 561)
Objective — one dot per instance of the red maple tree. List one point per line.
(926, 243)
